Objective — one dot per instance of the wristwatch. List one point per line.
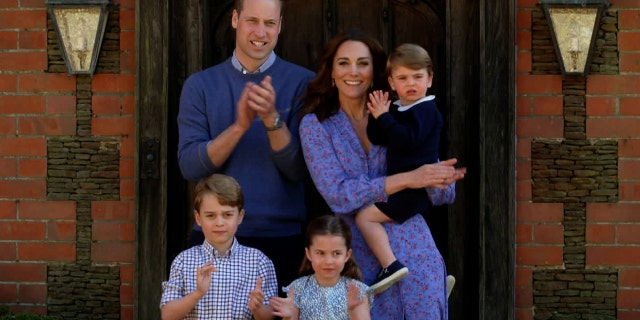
(277, 124)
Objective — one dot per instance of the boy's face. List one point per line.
(411, 85)
(219, 223)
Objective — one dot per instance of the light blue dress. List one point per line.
(350, 179)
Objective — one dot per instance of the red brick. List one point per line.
(524, 277)
(127, 189)
(524, 297)
(8, 209)
(629, 62)
(46, 82)
(8, 251)
(628, 41)
(21, 189)
(8, 83)
(23, 272)
(105, 231)
(628, 19)
(629, 169)
(601, 106)
(23, 19)
(47, 251)
(32, 293)
(113, 83)
(523, 191)
(113, 126)
(32, 3)
(613, 84)
(629, 106)
(539, 212)
(8, 292)
(524, 106)
(127, 147)
(628, 299)
(112, 210)
(523, 169)
(22, 104)
(23, 147)
(523, 39)
(112, 252)
(540, 127)
(629, 191)
(53, 125)
(127, 273)
(126, 312)
(548, 106)
(126, 4)
(127, 20)
(128, 105)
(628, 315)
(110, 105)
(34, 40)
(61, 231)
(8, 40)
(127, 40)
(629, 233)
(127, 167)
(613, 212)
(548, 234)
(612, 256)
(523, 19)
(629, 148)
(524, 233)
(32, 167)
(612, 127)
(523, 148)
(600, 233)
(539, 84)
(127, 61)
(47, 210)
(7, 126)
(21, 230)
(126, 294)
(61, 104)
(524, 313)
(9, 4)
(539, 255)
(8, 167)
(527, 4)
(629, 277)
(22, 61)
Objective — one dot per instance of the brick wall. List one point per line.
(66, 169)
(578, 181)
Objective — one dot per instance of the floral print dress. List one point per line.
(349, 180)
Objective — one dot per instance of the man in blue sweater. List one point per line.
(240, 118)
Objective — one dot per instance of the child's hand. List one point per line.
(379, 103)
(284, 307)
(204, 278)
(256, 297)
(353, 296)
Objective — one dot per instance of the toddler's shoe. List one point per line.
(388, 276)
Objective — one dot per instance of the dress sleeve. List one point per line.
(336, 171)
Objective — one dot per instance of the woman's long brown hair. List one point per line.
(321, 96)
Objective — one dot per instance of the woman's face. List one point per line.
(352, 70)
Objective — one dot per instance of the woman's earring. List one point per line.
(333, 82)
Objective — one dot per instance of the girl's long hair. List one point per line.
(321, 96)
(329, 225)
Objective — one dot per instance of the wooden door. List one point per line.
(471, 43)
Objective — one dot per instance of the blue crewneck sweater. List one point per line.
(272, 182)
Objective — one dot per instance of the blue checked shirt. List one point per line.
(237, 274)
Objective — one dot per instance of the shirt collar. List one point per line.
(267, 63)
(213, 253)
(407, 107)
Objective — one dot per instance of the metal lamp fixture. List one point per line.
(574, 25)
(80, 26)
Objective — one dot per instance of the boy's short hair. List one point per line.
(225, 188)
(411, 56)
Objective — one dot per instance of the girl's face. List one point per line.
(411, 85)
(328, 254)
(352, 70)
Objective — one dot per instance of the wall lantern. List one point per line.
(574, 25)
(80, 27)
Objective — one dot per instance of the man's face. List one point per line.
(257, 28)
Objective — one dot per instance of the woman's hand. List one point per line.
(436, 175)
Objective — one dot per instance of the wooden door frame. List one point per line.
(481, 66)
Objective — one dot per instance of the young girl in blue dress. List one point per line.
(330, 283)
